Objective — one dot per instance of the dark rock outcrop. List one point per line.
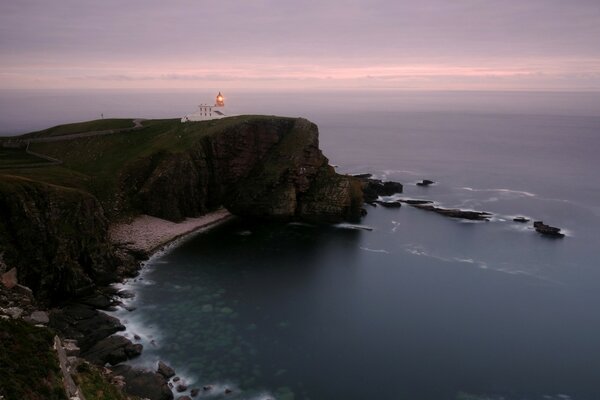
(112, 350)
(547, 230)
(144, 384)
(425, 182)
(373, 188)
(456, 213)
(84, 324)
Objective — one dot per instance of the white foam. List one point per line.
(511, 269)
(374, 250)
(521, 193)
(344, 225)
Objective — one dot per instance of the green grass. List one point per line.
(102, 158)
(80, 127)
(13, 157)
(28, 364)
(95, 386)
(98, 163)
(55, 175)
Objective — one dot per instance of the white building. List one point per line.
(206, 112)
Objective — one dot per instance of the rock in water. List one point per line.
(547, 230)
(521, 219)
(144, 384)
(389, 204)
(425, 182)
(413, 201)
(373, 188)
(165, 370)
(456, 213)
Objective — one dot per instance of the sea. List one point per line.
(406, 304)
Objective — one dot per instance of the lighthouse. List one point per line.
(207, 112)
(220, 100)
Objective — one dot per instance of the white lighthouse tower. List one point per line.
(206, 112)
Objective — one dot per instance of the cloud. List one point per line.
(283, 41)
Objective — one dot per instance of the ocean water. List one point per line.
(421, 306)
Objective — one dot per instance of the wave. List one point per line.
(345, 225)
(521, 193)
(374, 250)
(508, 268)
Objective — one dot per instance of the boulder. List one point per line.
(181, 388)
(9, 278)
(547, 230)
(194, 392)
(84, 323)
(521, 219)
(14, 312)
(165, 370)
(143, 383)
(39, 317)
(112, 350)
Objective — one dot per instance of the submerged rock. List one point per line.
(415, 202)
(521, 219)
(389, 204)
(547, 230)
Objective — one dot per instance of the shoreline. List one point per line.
(147, 235)
(150, 236)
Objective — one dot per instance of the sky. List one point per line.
(549, 45)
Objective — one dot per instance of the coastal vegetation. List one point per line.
(28, 364)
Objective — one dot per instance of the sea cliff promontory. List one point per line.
(55, 218)
(67, 193)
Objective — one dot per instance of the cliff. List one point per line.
(54, 220)
(268, 168)
(56, 237)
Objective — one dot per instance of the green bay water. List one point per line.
(419, 307)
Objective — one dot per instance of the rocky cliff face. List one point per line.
(56, 237)
(268, 168)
